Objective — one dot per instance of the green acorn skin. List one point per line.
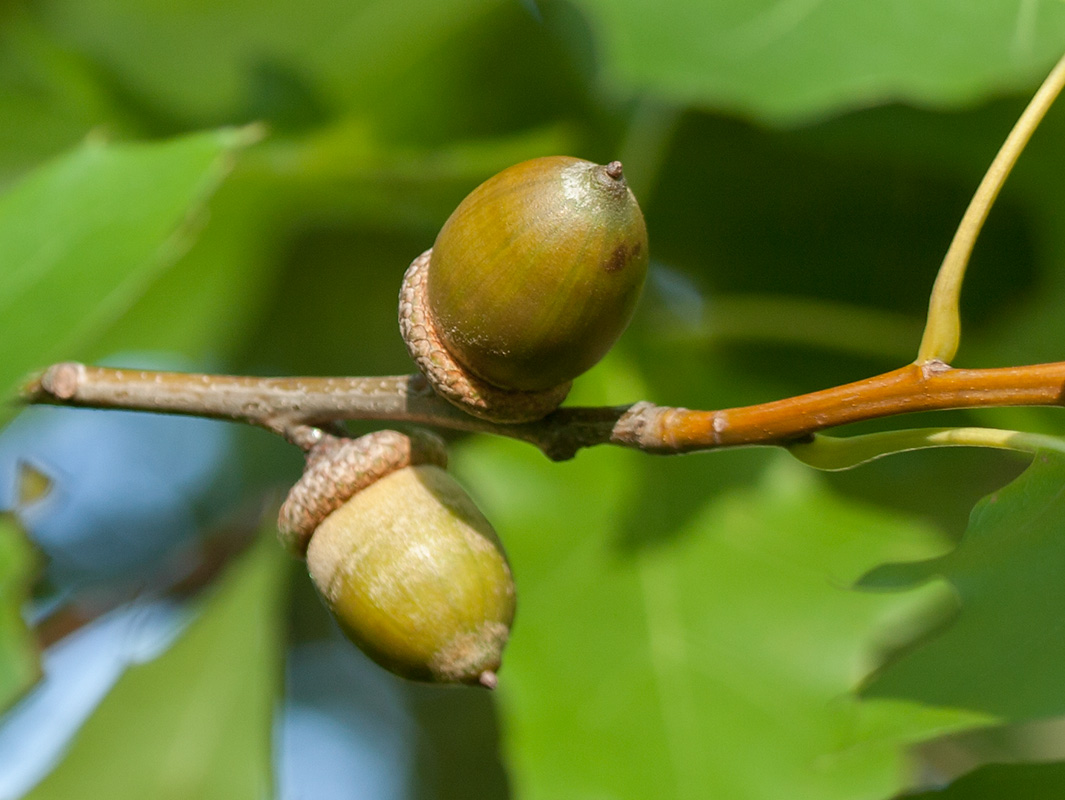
(417, 578)
(537, 272)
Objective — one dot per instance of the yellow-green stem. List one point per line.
(942, 331)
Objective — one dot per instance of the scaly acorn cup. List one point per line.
(529, 283)
(406, 563)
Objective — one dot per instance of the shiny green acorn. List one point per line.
(537, 272)
(417, 578)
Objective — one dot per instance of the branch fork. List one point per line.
(298, 408)
(303, 410)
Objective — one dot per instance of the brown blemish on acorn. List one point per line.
(622, 256)
(617, 259)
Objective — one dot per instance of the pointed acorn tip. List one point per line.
(613, 169)
(488, 679)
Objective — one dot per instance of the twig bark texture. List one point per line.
(289, 406)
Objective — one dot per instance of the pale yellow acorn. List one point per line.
(409, 567)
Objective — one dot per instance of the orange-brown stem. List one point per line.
(289, 405)
(929, 387)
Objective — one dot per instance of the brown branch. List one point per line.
(293, 406)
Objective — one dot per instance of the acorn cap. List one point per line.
(537, 272)
(451, 379)
(339, 467)
(416, 576)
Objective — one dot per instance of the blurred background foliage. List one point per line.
(239, 186)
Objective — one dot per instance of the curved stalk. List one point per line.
(942, 332)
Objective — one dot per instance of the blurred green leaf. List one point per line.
(681, 633)
(833, 212)
(198, 61)
(196, 722)
(715, 661)
(19, 666)
(1001, 781)
(786, 61)
(81, 239)
(1002, 656)
(50, 98)
(458, 753)
(203, 305)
